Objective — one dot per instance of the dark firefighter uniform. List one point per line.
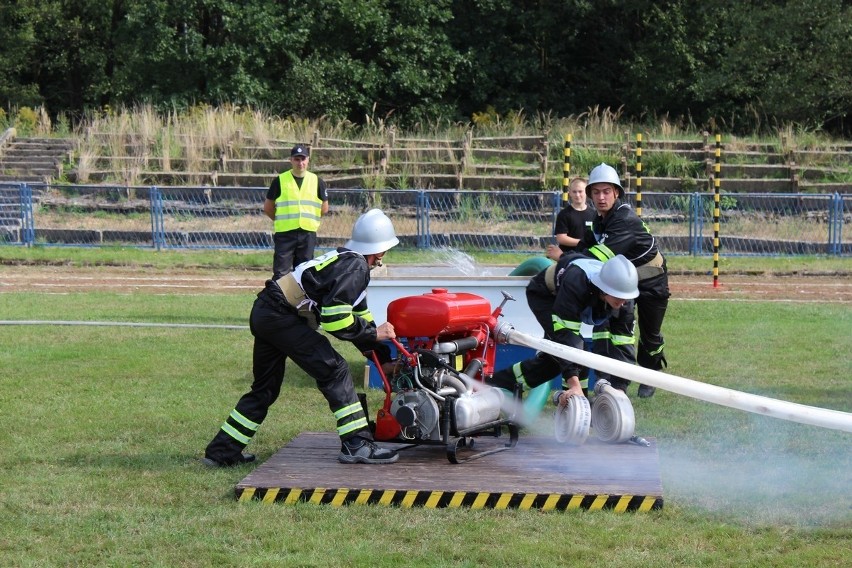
(562, 297)
(329, 290)
(623, 232)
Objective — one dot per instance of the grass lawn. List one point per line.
(103, 428)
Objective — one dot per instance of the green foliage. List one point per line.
(683, 203)
(63, 126)
(25, 121)
(475, 207)
(709, 63)
(487, 117)
(670, 164)
(584, 159)
(766, 72)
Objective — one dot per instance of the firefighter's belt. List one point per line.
(652, 268)
(550, 278)
(297, 298)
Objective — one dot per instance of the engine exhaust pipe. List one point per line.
(804, 414)
(457, 346)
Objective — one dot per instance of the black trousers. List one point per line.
(292, 248)
(280, 334)
(651, 308)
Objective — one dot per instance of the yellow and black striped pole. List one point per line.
(717, 181)
(639, 175)
(566, 170)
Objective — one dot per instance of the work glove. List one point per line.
(381, 350)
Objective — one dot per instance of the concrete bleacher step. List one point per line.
(759, 171)
(34, 159)
(434, 164)
(752, 157)
(21, 178)
(44, 161)
(827, 187)
(28, 169)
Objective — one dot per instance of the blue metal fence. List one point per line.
(496, 221)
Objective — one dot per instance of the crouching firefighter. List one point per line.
(327, 292)
(573, 291)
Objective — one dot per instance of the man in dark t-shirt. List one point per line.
(572, 221)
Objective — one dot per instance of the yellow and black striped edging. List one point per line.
(450, 499)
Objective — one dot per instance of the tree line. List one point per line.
(735, 65)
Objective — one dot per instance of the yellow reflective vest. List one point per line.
(298, 208)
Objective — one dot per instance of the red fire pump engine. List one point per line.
(436, 395)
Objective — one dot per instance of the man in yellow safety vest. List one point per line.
(295, 201)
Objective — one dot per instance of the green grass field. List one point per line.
(103, 427)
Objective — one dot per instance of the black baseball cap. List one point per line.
(299, 150)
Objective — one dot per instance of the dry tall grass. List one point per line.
(137, 139)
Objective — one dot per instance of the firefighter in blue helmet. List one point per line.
(618, 230)
(328, 292)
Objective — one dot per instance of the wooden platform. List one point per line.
(538, 473)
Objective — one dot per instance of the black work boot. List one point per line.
(230, 462)
(359, 450)
(646, 391)
(655, 363)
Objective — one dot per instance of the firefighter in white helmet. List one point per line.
(327, 292)
(574, 291)
(618, 230)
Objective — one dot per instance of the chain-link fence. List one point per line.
(495, 221)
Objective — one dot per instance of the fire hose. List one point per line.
(572, 421)
(804, 414)
(611, 414)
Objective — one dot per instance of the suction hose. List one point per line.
(822, 417)
(531, 266)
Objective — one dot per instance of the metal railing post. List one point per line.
(424, 240)
(27, 223)
(695, 214)
(835, 224)
(158, 235)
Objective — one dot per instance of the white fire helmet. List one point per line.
(604, 173)
(618, 278)
(372, 234)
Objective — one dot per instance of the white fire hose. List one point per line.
(814, 416)
(611, 415)
(572, 421)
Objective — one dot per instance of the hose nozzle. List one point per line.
(502, 332)
(601, 385)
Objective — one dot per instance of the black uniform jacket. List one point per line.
(622, 232)
(336, 283)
